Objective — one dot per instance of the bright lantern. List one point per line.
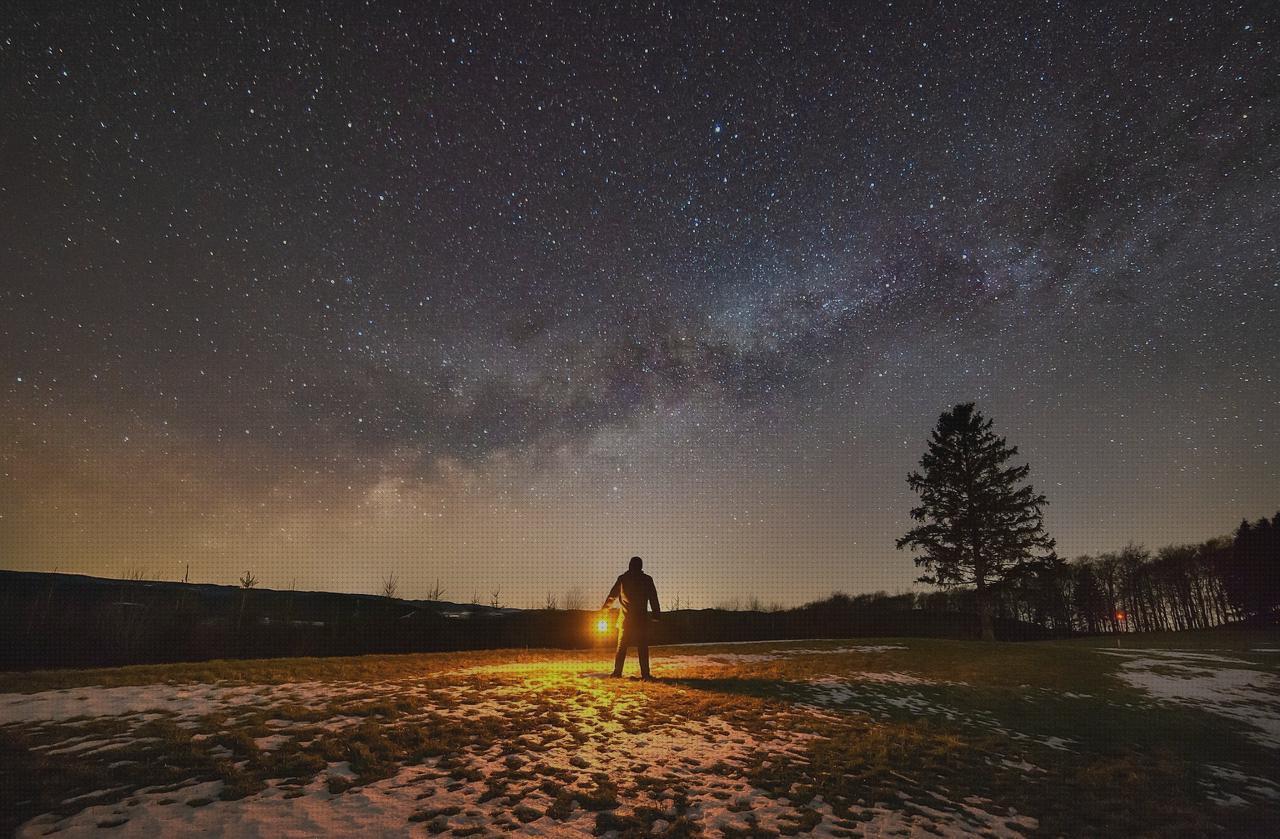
(602, 625)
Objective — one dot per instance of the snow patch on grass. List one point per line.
(188, 700)
(1226, 786)
(889, 695)
(1197, 680)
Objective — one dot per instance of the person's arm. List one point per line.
(653, 598)
(613, 593)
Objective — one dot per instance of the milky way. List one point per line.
(503, 296)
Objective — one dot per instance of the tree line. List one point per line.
(1178, 587)
(980, 537)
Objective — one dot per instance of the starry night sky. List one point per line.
(502, 296)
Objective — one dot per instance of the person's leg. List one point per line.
(620, 657)
(642, 649)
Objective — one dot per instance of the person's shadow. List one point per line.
(734, 685)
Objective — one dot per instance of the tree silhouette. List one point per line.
(978, 526)
(247, 582)
(1252, 575)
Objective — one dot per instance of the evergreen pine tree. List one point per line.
(978, 526)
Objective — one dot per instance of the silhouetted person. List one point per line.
(634, 591)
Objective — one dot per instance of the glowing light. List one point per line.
(602, 625)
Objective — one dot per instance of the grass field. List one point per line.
(1167, 735)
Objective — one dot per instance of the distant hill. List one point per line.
(72, 620)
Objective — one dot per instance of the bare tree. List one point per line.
(574, 599)
(181, 599)
(247, 582)
(136, 573)
(436, 592)
(550, 603)
(390, 584)
(495, 598)
(755, 605)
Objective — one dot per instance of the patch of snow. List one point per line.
(270, 742)
(1178, 655)
(1062, 744)
(1240, 782)
(1020, 765)
(872, 697)
(89, 796)
(1248, 696)
(184, 701)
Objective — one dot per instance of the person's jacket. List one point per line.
(634, 591)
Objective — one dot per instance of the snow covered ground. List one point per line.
(606, 764)
(551, 748)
